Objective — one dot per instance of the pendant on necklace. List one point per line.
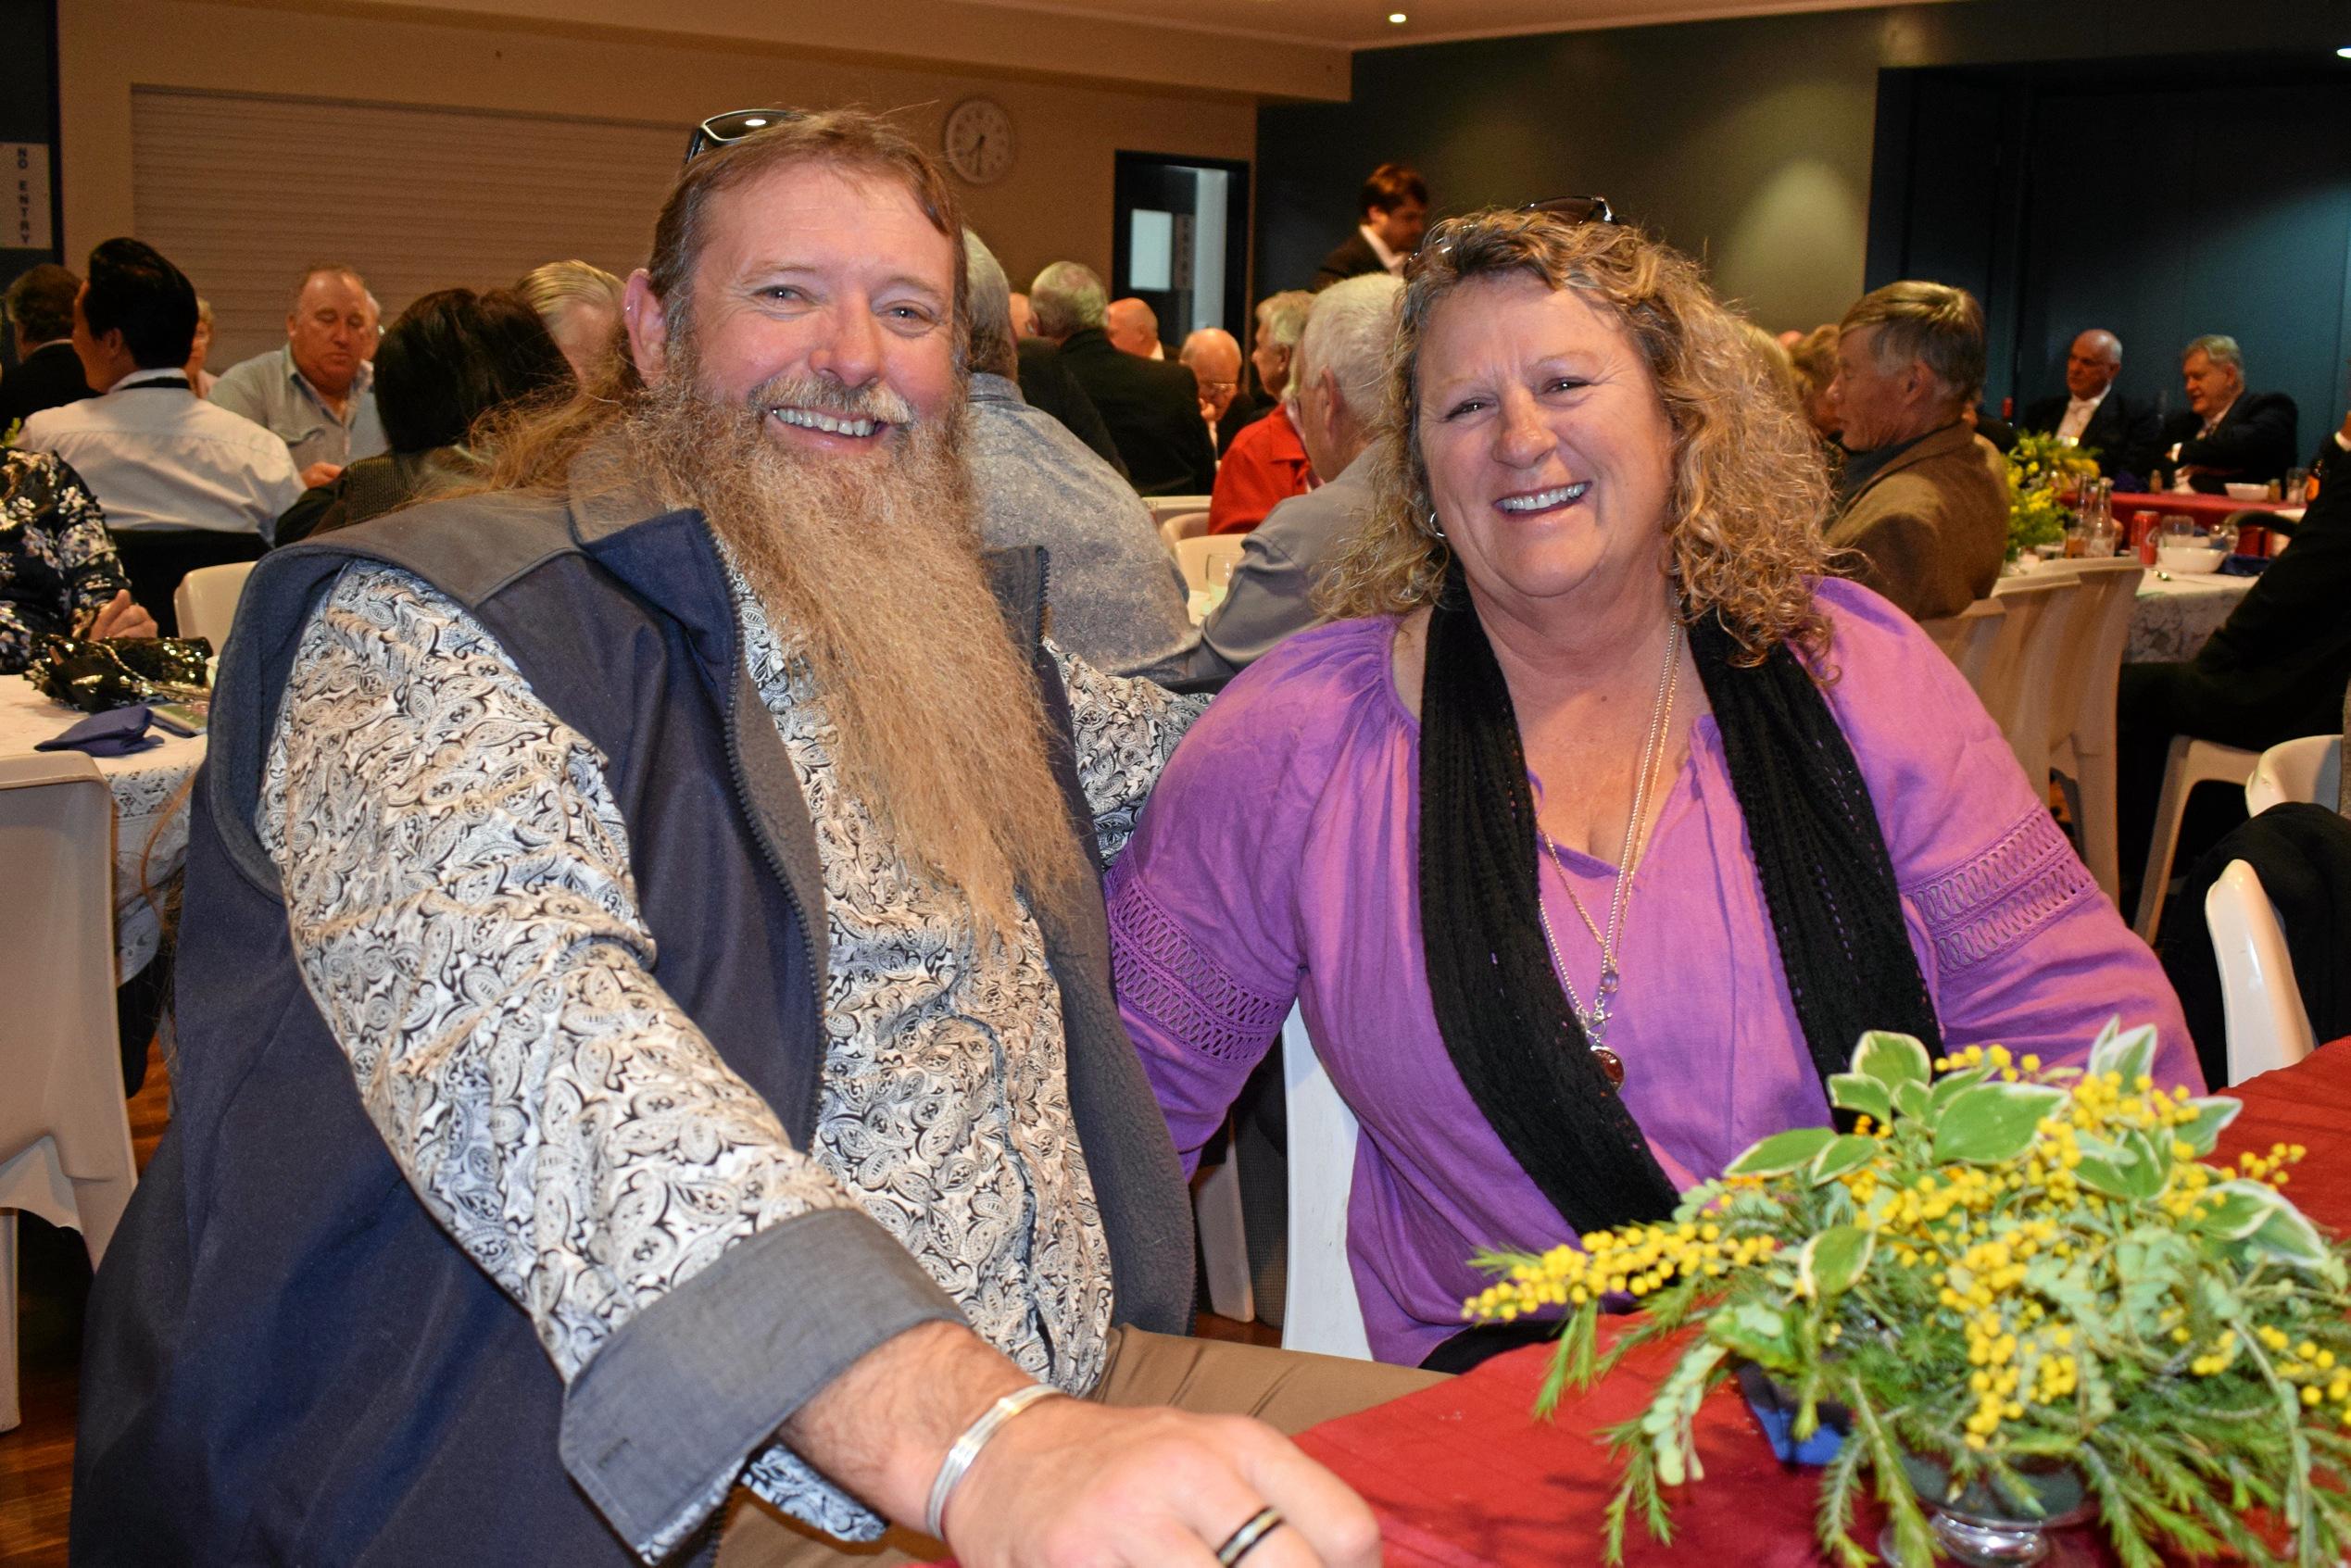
(1611, 1066)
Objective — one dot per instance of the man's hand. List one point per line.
(120, 617)
(1067, 1482)
(1070, 1483)
(319, 474)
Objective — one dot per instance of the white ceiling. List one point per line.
(1361, 24)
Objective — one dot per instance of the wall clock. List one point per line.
(978, 140)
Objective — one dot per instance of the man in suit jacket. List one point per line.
(2122, 431)
(48, 372)
(1394, 203)
(1151, 408)
(1921, 506)
(2228, 435)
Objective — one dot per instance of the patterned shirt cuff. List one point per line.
(655, 1428)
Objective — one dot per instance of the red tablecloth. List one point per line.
(1462, 1477)
(2206, 509)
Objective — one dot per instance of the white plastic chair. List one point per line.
(2189, 763)
(1199, 555)
(2081, 703)
(1164, 506)
(1969, 638)
(2308, 770)
(65, 1137)
(1223, 1236)
(1187, 525)
(1321, 1313)
(2015, 689)
(206, 601)
(2268, 1027)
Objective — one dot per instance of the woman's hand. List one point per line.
(120, 617)
(1070, 1483)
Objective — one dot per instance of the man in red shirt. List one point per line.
(1265, 466)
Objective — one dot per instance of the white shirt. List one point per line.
(2080, 411)
(161, 456)
(1388, 258)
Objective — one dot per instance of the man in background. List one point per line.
(2122, 432)
(1133, 328)
(317, 394)
(1116, 600)
(1152, 408)
(1394, 205)
(184, 483)
(2227, 435)
(1342, 375)
(1214, 356)
(48, 372)
(1920, 502)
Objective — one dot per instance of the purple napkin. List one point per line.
(118, 733)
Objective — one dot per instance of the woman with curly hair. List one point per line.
(1598, 830)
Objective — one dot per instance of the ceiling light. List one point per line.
(2345, 51)
(1399, 18)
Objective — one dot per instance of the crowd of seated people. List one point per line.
(756, 917)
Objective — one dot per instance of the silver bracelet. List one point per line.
(967, 1447)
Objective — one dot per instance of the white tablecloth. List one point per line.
(2177, 615)
(150, 813)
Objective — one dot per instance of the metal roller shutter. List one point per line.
(243, 192)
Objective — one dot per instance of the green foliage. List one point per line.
(2038, 465)
(2006, 1272)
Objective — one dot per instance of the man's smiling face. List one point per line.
(826, 298)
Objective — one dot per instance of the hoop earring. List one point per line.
(1434, 532)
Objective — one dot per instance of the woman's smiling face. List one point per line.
(1548, 451)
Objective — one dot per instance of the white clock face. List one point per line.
(979, 141)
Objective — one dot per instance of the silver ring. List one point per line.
(1243, 1541)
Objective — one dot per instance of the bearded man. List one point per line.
(644, 1025)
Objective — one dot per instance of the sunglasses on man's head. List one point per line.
(733, 126)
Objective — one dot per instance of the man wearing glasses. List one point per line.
(646, 1034)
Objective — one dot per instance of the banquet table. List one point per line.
(2176, 615)
(150, 813)
(1461, 1477)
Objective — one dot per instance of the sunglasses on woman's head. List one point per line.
(1569, 209)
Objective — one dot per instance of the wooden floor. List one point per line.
(36, 1460)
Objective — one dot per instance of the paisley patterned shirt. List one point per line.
(462, 907)
(56, 562)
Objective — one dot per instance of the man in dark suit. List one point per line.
(48, 372)
(1151, 407)
(2276, 669)
(2122, 431)
(1394, 205)
(2228, 435)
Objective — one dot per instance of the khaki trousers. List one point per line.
(1289, 1390)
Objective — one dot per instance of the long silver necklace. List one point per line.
(1595, 1017)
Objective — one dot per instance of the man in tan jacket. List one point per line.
(1921, 505)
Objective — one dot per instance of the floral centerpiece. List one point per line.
(2001, 1273)
(2042, 471)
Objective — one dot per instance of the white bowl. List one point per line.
(2189, 559)
(2247, 492)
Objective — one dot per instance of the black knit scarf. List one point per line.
(1827, 880)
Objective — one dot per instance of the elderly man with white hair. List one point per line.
(1214, 356)
(1339, 381)
(1152, 408)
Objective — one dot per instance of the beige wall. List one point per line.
(1055, 203)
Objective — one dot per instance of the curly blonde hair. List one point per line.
(1748, 492)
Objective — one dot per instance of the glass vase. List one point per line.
(1980, 1528)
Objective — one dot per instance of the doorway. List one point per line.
(1180, 242)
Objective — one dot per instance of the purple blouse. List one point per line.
(1276, 862)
